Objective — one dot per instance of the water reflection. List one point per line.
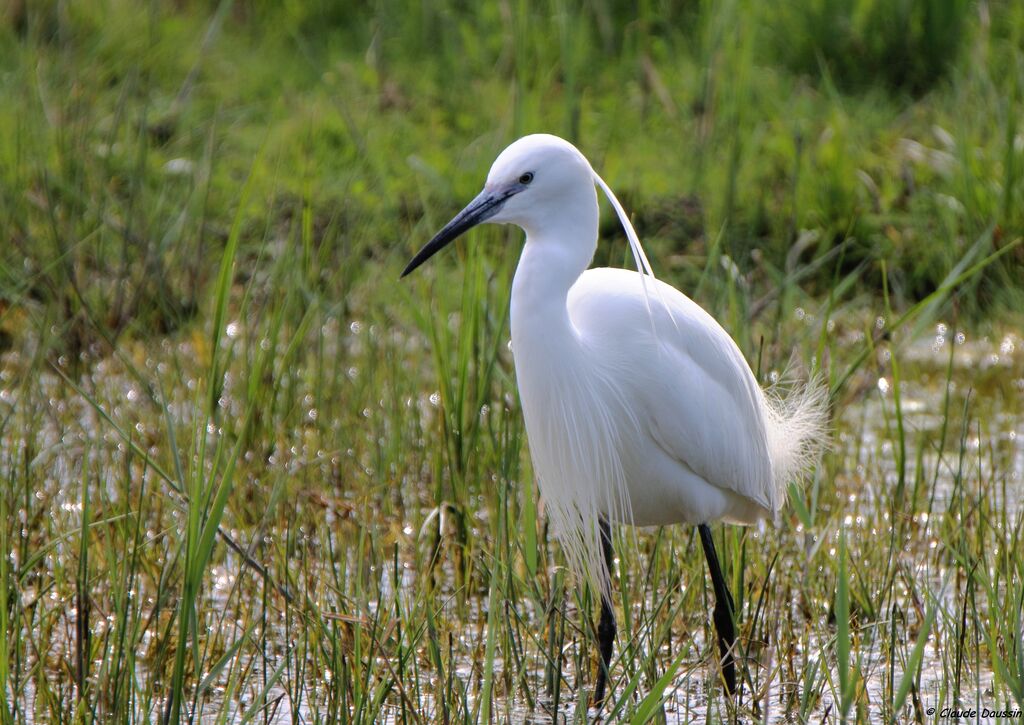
(959, 395)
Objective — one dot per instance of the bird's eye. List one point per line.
(526, 178)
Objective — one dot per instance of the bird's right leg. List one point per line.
(606, 625)
(723, 615)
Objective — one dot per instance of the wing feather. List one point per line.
(698, 398)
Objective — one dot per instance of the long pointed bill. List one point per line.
(482, 208)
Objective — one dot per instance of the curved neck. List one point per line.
(556, 253)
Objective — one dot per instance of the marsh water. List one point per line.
(944, 427)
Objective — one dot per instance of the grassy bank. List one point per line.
(246, 473)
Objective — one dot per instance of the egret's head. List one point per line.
(532, 180)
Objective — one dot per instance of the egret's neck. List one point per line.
(555, 255)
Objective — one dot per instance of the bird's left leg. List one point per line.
(723, 615)
(606, 625)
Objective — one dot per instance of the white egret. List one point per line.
(639, 408)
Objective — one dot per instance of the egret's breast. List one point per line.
(576, 421)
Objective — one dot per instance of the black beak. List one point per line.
(482, 208)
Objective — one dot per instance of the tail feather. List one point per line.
(797, 432)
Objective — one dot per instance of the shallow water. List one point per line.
(950, 462)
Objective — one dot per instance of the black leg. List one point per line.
(723, 610)
(606, 625)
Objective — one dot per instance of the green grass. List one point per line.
(247, 474)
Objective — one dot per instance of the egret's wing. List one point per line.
(697, 396)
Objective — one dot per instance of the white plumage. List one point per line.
(639, 407)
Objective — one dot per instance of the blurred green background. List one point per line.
(771, 132)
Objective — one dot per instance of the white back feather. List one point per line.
(796, 427)
(796, 423)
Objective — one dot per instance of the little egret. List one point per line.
(639, 408)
